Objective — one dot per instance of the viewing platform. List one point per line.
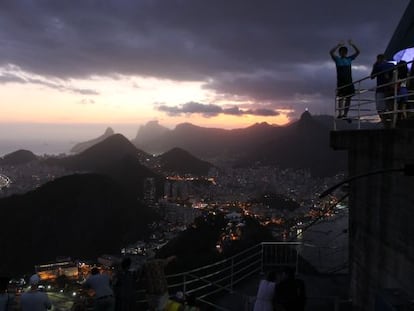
(232, 283)
(395, 109)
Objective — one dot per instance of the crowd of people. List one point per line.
(120, 293)
(394, 81)
(31, 300)
(282, 292)
(117, 292)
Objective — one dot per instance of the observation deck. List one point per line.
(364, 109)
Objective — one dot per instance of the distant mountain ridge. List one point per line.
(80, 147)
(150, 132)
(18, 157)
(206, 143)
(301, 144)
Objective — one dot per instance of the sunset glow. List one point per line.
(113, 100)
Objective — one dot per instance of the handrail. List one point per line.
(226, 273)
(360, 107)
(223, 281)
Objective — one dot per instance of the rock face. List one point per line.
(78, 148)
(149, 132)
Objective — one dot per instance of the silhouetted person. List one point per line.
(33, 299)
(383, 71)
(125, 287)
(7, 300)
(402, 87)
(176, 303)
(265, 293)
(410, 84)
(290, 293)
(345, 86)
(101, 284)
(191, 304)
(156, 283)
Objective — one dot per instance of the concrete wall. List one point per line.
(381, 216)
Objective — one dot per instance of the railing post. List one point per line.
(395, 113)
(184, 283)
(334, 114)
(262, 255)
(231, 276)
(359, 105)
(298, 247)
(336, 304)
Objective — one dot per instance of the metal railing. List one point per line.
(363, 102)
(220, 278)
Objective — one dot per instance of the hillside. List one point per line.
(304, 144)
(18, 157)
(182, 162)
(81, 216)
(116, 157)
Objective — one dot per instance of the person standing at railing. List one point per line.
(265, 293)
(410, 83)
(290, 292)
(402, 88)
(345, 87)
(156, 283)
(124, 284)
(383, 71)
(104, 296)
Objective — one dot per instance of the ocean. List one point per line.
(53, 138)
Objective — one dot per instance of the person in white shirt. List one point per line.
(265, 293)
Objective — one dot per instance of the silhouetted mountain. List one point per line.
(150, 132)
(301, 144)
(182, 162)
(304, 144)
(85, 145)
(115, 156)
(18, 157)
(82, 216)
(208, 143)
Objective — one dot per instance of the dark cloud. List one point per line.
(7, 77)
(211, 110)
(263, 112)
(271, 52)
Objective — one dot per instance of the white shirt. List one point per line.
(264, 299)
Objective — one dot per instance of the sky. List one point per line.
(75, 67)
